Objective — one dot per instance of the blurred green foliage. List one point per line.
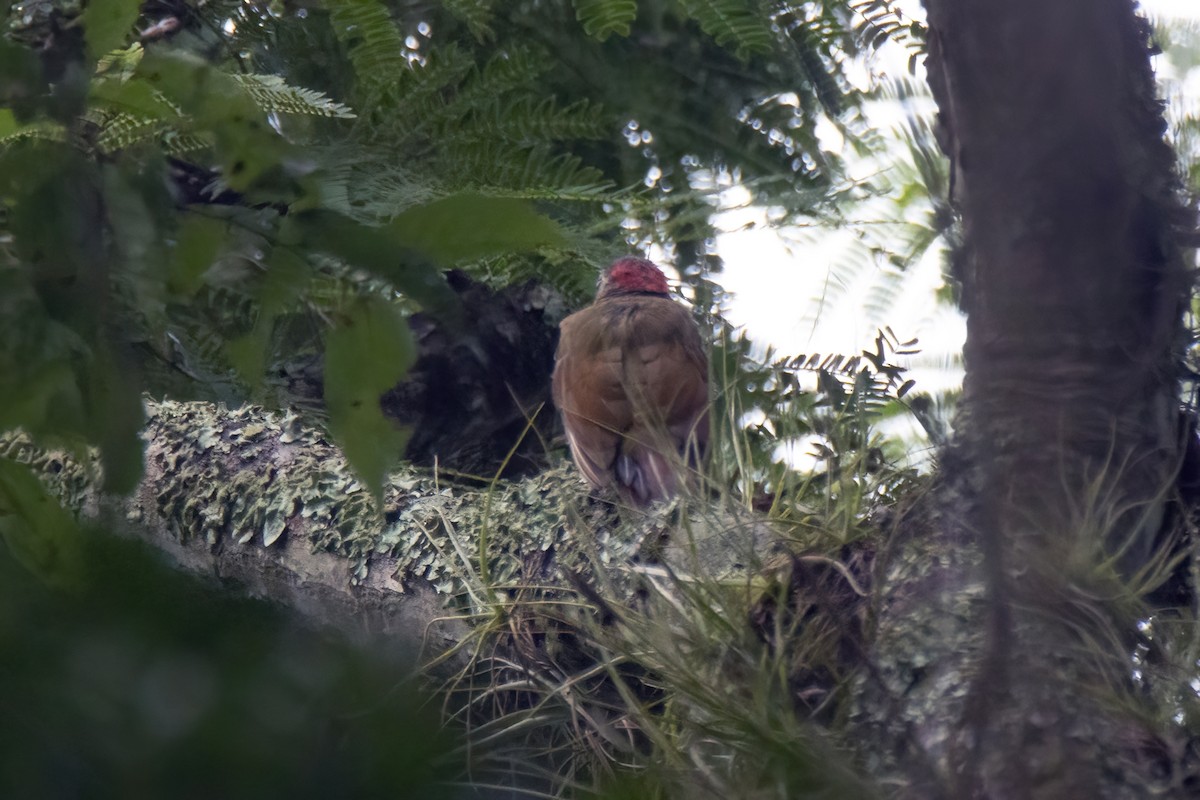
(143, 683)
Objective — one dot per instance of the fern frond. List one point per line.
(601, 192)
(886, 286)
(120, 63)
(42, 130)
(602, 18)
(374, 45)
(881, 21)
(119, 131)
(500, 164)
(477, 14)
(420, 101)
(179, 143)
(514, 69)
(528, 122)
(270, 93)
(376, 190)
(739, 25)
(820, 76)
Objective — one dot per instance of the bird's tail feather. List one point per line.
(645, 474)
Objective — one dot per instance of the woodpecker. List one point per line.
(631, 384)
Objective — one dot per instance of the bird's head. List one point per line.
(631, 275)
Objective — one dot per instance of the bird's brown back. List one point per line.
(630, 372)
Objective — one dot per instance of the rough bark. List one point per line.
(1003, 631)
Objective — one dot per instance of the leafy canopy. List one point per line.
(193, 194)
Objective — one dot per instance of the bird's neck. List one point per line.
(613, 293)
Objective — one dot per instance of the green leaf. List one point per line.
(134, 96)
(471, 226)
(54, 226)
(602, 18)
(67, 384)
(107, 23)
(116, 417)
(735, 24)
(38, 387)
(130, 202)
(250, 151)
(21, 81)
(365, 357)
(378, 250)
(248, 354)
(287, 276)
(37, 530)
(8, 123)
(457, 228)
(199, 242)
(120, 64)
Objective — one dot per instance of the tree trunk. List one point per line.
(1004, 633)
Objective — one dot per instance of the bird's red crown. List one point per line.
(631, 274)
